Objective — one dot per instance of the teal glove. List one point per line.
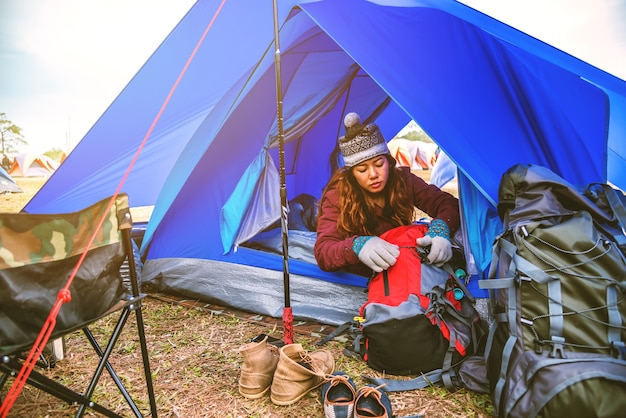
(438, 238)
(375, 253)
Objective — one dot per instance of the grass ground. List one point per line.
(195, 365)
(14, 202)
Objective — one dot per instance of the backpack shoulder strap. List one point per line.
(395, 385)
(352, 327)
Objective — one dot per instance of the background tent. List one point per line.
(7, 184)
(444, 170)
(489, 95)
(32, 165)
(415, 154)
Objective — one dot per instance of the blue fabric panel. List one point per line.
(238, 204)
(483, 225)
(616, 149)
(95, 167)
(473, 92)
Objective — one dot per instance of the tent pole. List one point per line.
(287, 312)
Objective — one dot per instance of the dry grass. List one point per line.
(195, 366)
(14, 202)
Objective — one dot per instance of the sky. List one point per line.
(62, 62)
(591, 30)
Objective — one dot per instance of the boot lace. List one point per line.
(310, 363)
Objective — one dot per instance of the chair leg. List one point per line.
(127, 239)
(146, 362)
(104, 360)
(10, 365)
(104, 363)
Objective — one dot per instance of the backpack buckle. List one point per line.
(558, 348)
(436, 306)
(423, 253)
(618, 350)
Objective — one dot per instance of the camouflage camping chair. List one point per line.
(38, 253)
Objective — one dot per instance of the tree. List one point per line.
(10, 135)
(55, 153)
(416, 135)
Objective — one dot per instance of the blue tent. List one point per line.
(7, 184)
(489, 95)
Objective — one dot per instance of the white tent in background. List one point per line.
(32, 165)
(415, 154)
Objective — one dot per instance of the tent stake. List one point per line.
(287, 312)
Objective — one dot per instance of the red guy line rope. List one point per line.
(65, 293)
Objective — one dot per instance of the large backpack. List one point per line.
(557, 281)
(418, 319)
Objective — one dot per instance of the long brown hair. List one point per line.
(354, 210)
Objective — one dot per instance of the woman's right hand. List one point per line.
(378, 254)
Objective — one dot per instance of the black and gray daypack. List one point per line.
(558, 284)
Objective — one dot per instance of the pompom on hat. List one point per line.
(361, 142)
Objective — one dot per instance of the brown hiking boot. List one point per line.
(259, 362)
(299, 372)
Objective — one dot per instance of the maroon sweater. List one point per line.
(333, 251)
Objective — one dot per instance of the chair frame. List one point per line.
(11, 364)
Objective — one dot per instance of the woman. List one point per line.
(369, 196)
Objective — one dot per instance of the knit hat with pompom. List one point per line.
(361, 142)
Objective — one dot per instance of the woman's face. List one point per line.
(372, 174)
